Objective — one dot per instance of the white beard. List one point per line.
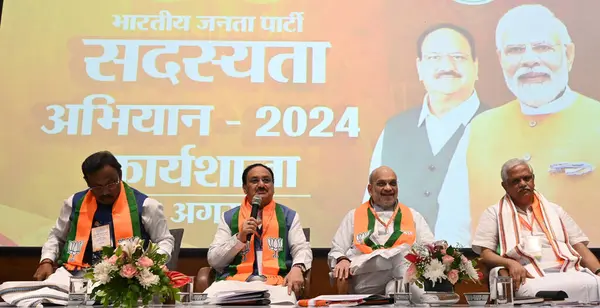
(538, 94)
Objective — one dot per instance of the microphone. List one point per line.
(256, 201)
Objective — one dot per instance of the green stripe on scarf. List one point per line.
(133, 212)
(397, 232)
(283, 232)
(371, 228)
(72, 232)
(231, 269)
(393, 237)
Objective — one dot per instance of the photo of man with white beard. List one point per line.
(554, 128)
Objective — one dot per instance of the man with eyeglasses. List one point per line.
(555, 129)
(102, 215)
(368, 249)
(271, 248)
(418, 144)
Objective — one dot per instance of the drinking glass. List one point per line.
(504, 290)
(186, 292)
(77, 291)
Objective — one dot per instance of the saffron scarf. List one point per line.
(125, 219)
(510, 235)
(365, 218)
(274, 244)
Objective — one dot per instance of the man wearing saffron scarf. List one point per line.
(373, 239)
(107, 212)
(551, 126)
(535, 241)
(276, 252)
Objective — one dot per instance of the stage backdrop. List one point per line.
(187, 93)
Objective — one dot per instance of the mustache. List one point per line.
(538, 69)
(451, 73)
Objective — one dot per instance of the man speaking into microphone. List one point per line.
(261, 240)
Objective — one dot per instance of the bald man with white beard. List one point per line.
(552, 127)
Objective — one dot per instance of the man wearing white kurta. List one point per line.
(535, 241)
(369, 247)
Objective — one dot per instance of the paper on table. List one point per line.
(379, 260)
(278, 294)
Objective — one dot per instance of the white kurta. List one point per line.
(377, 272)
(153, 219)
(581, 286)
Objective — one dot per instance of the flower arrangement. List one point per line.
(438, 262)
(130, 273)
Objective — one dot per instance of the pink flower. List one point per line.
(464, 259)
(444, 252)
(411, 273)
(128, 271)
(113, 259)
(453, 276)
(145, 262)
(447, 260)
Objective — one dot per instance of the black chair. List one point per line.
(178, 235)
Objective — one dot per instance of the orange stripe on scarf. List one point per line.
(121, 222)
(270, 230)
(361, 226)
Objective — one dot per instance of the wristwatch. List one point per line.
(300, 266)
(597, 271)
(338, 260)
(47, 261)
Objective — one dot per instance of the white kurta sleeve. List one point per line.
(342, 240)
(299, 246)
(424, 234)
(576, 235)
(58, 234)
(224, 248)
(155, 224)
(486, 235)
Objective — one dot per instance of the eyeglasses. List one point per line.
(110, 186)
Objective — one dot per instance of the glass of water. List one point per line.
(77, 291)
(401, 293)
(186, 292)
(504, 290)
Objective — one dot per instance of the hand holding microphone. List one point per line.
(249, 226)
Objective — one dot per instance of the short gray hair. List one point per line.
(527, 12)
(511, 163)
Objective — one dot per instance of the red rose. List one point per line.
(412, 258)
(178, 279)
(480, 275)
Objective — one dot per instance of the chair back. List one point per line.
(178, 235)
(306, 234)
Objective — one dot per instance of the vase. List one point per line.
(444, 286)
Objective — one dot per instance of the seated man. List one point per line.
(380, 223)
(266, 248)
(535, 241)
(108, 208)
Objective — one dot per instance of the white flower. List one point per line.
(129, 246)
(469, 269)
(147, 279)
(434, 271)
(103, 270)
